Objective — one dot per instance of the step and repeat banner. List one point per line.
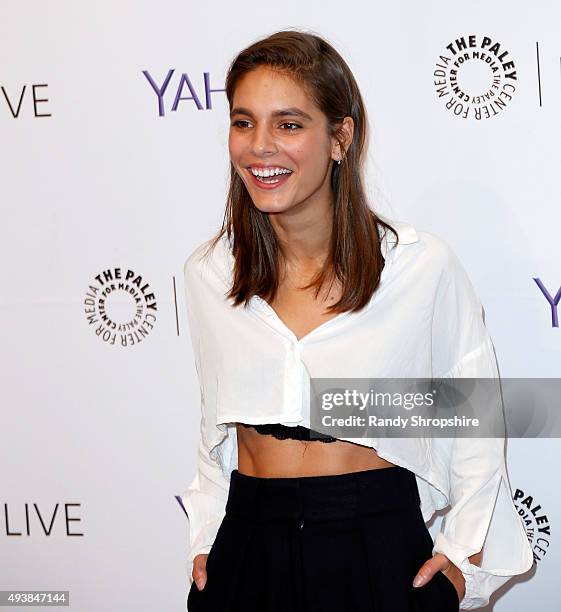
(114, 127)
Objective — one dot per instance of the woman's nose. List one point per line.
(263, 141)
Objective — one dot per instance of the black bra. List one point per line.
(284, 432)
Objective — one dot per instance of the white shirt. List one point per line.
(424, 320)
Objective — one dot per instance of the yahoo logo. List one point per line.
(553, 301)
(184, 82)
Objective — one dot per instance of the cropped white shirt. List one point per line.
(424, 320)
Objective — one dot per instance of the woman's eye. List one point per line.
(242, 123)
(294, 124)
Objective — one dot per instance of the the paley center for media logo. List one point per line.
(120, 306)
(475, 77)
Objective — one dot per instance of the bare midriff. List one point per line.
(265, 456)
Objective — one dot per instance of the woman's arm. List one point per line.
(481, 533)
(205, 498)
(204, 501)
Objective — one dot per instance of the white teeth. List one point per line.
(269, 172)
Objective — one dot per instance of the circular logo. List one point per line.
(475, 77)
(120, 306)
(535, 521)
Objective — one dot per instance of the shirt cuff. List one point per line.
(480, 583)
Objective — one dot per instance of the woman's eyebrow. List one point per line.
(292, 111)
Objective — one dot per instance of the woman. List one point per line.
(305, 280)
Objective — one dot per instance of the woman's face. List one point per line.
(275, 127)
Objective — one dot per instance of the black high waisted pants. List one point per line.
(342, 543)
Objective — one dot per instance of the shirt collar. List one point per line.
(406, 233)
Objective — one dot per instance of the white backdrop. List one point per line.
(100, 418)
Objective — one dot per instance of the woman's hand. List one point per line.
(199, 570)
(440, 562)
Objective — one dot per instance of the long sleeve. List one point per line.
(204, 501)
(482, 515)
(205, 498)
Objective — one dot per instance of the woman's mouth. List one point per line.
(269, 178)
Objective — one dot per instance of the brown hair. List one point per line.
(354, 256)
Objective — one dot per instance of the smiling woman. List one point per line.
(280, 144)
(304, 281)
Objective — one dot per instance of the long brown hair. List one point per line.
(354, 255)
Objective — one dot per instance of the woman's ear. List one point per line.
(345, 133)
(348, 130)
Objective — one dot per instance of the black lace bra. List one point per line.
(284, 432)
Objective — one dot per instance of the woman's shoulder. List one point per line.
(211, 259)
(425, 246)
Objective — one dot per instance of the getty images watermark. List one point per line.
(435, 407)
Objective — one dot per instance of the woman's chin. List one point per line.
(271, 207)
